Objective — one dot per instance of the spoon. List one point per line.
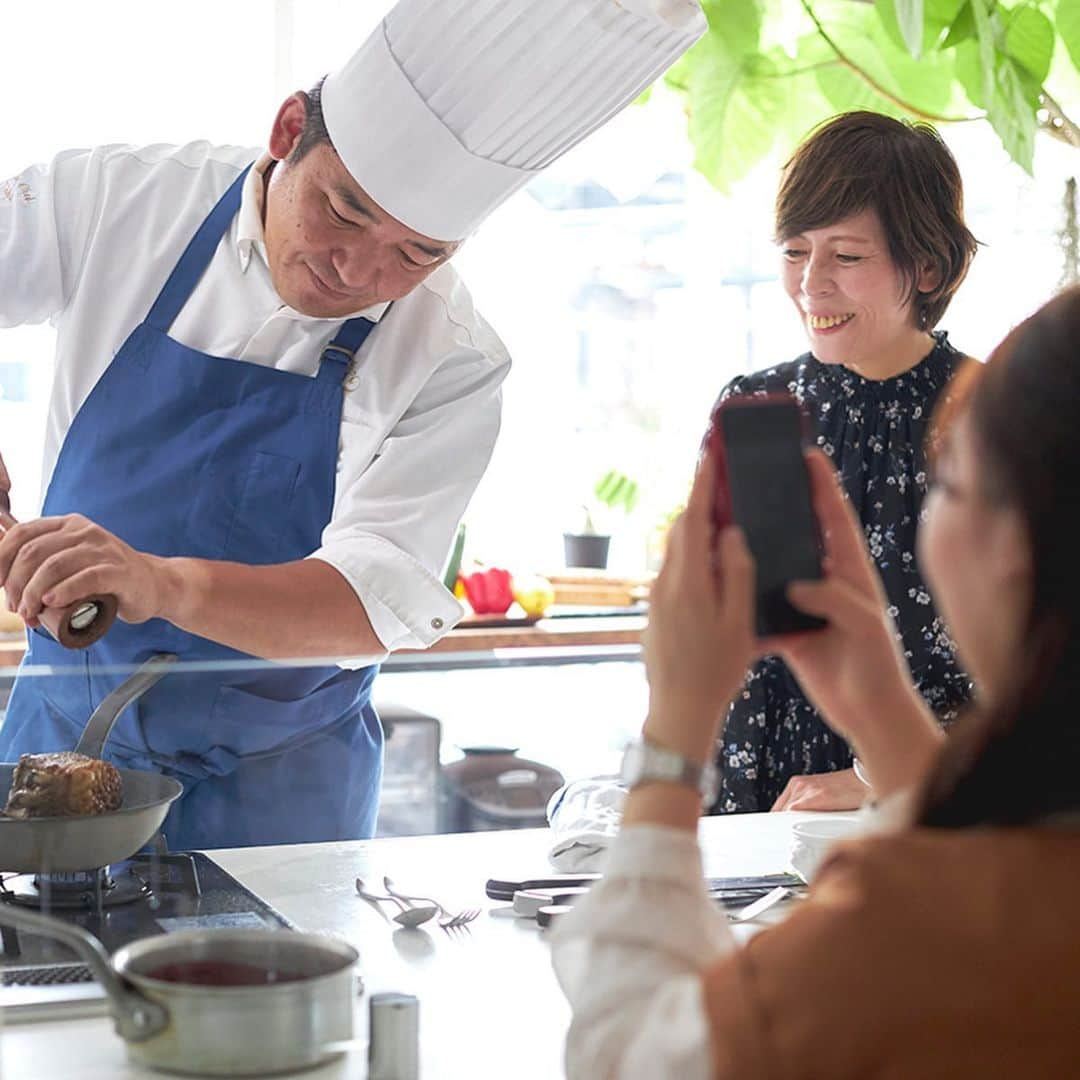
(409, 916)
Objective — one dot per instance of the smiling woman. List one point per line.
(869, 217)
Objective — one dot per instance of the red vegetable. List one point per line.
(488, 591)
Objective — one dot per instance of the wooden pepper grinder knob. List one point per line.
(78, 625)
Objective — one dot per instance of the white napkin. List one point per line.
(584, 816)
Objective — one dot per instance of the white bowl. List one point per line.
(812, 838)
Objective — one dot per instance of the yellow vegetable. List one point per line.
(535, 594)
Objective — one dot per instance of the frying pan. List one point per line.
(78, 625)
(52, 845)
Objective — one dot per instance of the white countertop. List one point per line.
(490, 1008)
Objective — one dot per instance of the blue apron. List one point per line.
(182, 453)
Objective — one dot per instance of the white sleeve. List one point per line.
(394, 522)
(45, 216)
(630, 956)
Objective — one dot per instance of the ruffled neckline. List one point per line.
(935, 369)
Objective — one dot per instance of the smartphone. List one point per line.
(763, 487)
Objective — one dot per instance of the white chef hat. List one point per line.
(452, 105)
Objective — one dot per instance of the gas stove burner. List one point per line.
(87, 890)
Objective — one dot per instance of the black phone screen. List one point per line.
(769, 492)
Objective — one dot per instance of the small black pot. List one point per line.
(586, 549)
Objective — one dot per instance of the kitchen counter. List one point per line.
(555, 640)
(490, 1007)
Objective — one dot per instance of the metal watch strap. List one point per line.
(644, 761)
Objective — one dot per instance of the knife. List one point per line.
(740, 889)
(78, 625)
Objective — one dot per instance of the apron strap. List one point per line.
(196, 257)
(337, 356)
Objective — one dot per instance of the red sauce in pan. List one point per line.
(221, 973)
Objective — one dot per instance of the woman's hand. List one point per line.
(5, 492)
(841, 790)
(853, 669)
(700, 638)
(56, 561)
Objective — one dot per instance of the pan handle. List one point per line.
(104, 716)
(137, 1017)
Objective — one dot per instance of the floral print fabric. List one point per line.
(875, 432)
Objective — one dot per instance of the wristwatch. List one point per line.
(643, 761)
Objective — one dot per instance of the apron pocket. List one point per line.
(262, 511)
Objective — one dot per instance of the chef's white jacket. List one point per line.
(87, 242)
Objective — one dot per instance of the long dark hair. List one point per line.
(1021, 762)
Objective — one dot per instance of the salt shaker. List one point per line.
(394, 1037)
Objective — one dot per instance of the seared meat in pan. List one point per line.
(62, 784)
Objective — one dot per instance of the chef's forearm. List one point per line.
(303, 608)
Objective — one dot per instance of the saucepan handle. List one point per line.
(104, 716)
(136, 1017)
(78, 625)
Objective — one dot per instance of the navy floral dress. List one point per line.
(875, 433)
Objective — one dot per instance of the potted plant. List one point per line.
(614, 492)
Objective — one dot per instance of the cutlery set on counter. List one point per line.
(545, 899)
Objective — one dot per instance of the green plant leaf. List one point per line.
(909, 14)
(969, 71)
(1067, 20)
(961, 29)
(733, 107)
(938, 15)
(1005, 90)
(925, 85)
(1029, 39)
(734, 25)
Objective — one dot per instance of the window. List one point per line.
(627, 290)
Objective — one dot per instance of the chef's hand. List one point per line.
(56, 561)
(853, 670)
(841, 790)
(700, 638)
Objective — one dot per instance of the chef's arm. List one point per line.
(303, 608)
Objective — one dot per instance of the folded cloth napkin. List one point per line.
(584, 816)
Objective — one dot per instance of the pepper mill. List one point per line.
(78, 625)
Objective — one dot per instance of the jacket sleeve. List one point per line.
(46, 215)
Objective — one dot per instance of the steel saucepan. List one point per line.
(51, 845)
(220, 1002)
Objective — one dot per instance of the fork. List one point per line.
(447, 920)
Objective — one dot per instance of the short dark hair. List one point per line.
(314, 130)
(906, 174)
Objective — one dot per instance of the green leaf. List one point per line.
(925, 85)
(961, 29)
(984, 37)
(1004, 87)
(909, 14)
(1029, 39)
(734, 25)
(1067, 20)
(969, 71)
(938, 15)
(1012, 114)
(733, 107)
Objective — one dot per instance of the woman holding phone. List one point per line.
(869, 218)
(945, 945)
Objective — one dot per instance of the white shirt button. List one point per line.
(436, 624)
